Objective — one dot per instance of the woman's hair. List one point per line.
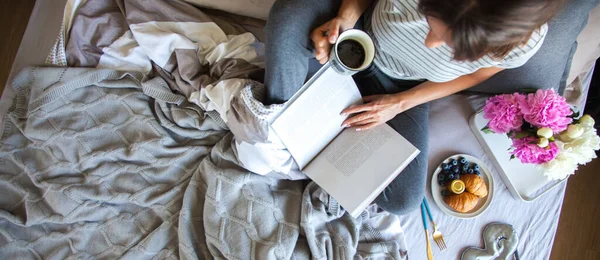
(494, 27)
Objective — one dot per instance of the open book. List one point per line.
(353, 167)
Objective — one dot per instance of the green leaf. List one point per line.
(487, 130)
(521, 134)
(512, 157)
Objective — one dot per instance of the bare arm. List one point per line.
(378, 109)
(428, 91)
(351, 10)
(326, 35)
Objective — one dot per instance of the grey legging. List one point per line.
(289, 51)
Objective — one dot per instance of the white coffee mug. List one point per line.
(364, 40)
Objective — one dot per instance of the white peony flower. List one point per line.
(562, 166)
(544, 132)
(543, 142)
(587, 120)
(585, 145)
(574, 131)
(573, 152)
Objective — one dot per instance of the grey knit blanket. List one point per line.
(172, 159)
(102, 164)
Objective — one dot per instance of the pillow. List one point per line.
(588, 46)
(251, 8)
(550, 66)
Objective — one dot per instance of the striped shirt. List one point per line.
(399, 31)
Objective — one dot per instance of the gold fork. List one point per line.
(437, 234)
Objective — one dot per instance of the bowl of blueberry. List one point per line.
(462, 186)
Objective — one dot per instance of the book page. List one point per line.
(356, 166)
(313, 118)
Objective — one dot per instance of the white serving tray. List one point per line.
(524, 181)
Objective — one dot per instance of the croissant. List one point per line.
(463, 202)
(474, 184)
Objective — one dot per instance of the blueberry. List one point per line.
(478, 172)
(445, 166)
(445, 193)
(476, 167)
(456, 177)
(455, 170)
(463, 161)
(470, 171)
(451, 176)
(454, 162)
(441, 177)
(465, 167)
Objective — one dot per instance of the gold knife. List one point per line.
(429, 254)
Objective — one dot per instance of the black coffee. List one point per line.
(351, 53)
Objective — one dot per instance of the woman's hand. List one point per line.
(326, 35)
(376, 110)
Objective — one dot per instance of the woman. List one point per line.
(426, 50)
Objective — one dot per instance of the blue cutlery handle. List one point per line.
(423, 216)
(427, 208)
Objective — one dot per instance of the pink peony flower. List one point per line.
(546, 108)
(527, 150)
(503, 113)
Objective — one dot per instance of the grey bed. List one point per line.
(536, 222)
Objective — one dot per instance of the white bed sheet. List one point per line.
(535, 222)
